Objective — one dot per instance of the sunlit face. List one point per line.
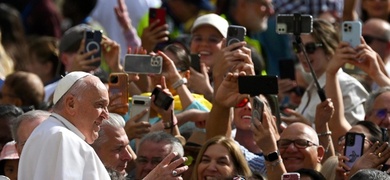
(206, 41)
(376, 8)
(91, 107)
(216, 163)
(318, 59)
(11, 169)
(113, 151)
(149, 155)
(296, 158)
(243, 116)
(257, 11)
(381, 103)
(25, 129)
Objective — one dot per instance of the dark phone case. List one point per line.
(258, 108)
(157, 13)
(287, 69)
(353, 149)
(235, 34)
(118, 83)
(161, 99)
(285, 23)
(195, 62)
(255, 85)
(92, 41)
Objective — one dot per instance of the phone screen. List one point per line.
(258, 109)
(195, 62)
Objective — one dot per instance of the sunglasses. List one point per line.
(381, 113)
(369, 39)
(242, 103)
(309, 47)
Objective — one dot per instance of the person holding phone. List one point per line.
(320, 51)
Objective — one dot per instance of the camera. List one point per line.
(156, 61)
(92, 42)
(294, 24)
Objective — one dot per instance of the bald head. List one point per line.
(301, 130)
(379, 27)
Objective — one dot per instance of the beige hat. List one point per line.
(214, 20)
(66, 83)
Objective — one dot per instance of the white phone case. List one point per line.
(139, 104)
(351, 32)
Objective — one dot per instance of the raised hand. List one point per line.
(135, 128)
(153, 35)
(168, 169)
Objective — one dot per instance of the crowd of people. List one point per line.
(62, 118)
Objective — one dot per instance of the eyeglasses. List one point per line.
(210, 39)
(144, 161)
(342, 141)
(369, 39)
(381, 113)
(309, 47)
(299, 143)
(242, 103)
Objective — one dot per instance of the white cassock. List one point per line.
(57, 150)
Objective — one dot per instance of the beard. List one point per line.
(115, 175)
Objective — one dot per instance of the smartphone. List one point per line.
(294, 23)
(258, 109)
(291, 176)
(92, 42)
(255, 85)
(162, 99)
(351, 32)
(354, 144)
(119, 83)
(143, 64)
(139, 104)
(195, 62)
(287, 69)
(157, 14)
(235, 34)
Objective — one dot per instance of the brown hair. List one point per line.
(239, 162)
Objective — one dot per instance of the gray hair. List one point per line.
(115, 121)
(369, 174)
(368, 105)
(28, 116)
(161, 136)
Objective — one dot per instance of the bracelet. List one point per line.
(172, 123)
(179, 83)
(325, 133)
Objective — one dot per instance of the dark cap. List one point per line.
(70, 41)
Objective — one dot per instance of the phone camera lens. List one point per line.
(114, 79)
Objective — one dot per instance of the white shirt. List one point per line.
(353, 92)
(56, 150)
(105, 15)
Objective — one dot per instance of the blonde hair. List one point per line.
(329, 168)
(240, 164)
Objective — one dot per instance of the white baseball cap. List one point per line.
(66, 83)
(214, 20)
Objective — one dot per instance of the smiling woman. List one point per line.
(220, 158)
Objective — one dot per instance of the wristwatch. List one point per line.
(272, 156)
(179, 83)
